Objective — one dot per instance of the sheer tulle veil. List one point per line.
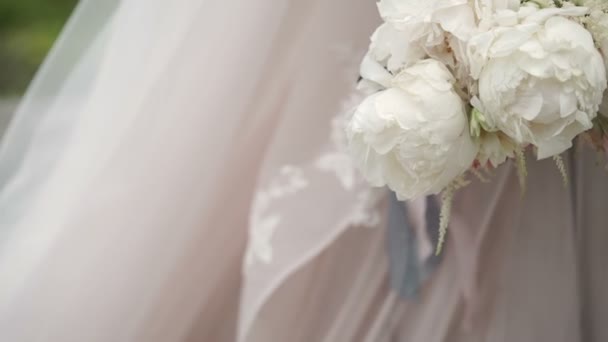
(177, 172)
(173, 163)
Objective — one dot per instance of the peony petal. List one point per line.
(373, 71)
(394, 48)
(510, 40)
(459, 20)
(547, 14)
(385, 142)
(560, 29)
(528, 104)
(567, 104)
(534, 49)
(506, 18)
(555, 146)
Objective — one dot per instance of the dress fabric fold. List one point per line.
(178, 172)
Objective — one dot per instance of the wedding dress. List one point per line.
(176, 172)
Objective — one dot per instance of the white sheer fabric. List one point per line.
(132, 164)
(161, 137)
(516, 268)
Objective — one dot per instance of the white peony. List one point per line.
(429, 18)
(494, 149)
(597, 23)
(541, 79)
(413, 136)
(414, 30)
(394, 48)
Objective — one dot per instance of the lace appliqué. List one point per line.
(289, 181)
(333, 166)
(338, 161)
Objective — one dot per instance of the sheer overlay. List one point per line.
(177, 172)
(132, 165)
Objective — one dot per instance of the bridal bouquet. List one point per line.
(460, 86)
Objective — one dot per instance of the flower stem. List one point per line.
(522, 169)
(559, 162)
(444, 217)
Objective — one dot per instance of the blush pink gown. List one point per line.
(176, 172)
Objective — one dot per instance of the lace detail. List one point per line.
(365, 212)
(266, 214)
(289, 181)
(338, 161)
(266, 217)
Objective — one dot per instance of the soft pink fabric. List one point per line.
(516, 268)
(193, 111)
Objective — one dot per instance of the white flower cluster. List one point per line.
(460, 84)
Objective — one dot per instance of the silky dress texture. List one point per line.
(177, 172)
(132, 169)
(516, 268)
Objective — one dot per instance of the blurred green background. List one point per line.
(28, 29)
